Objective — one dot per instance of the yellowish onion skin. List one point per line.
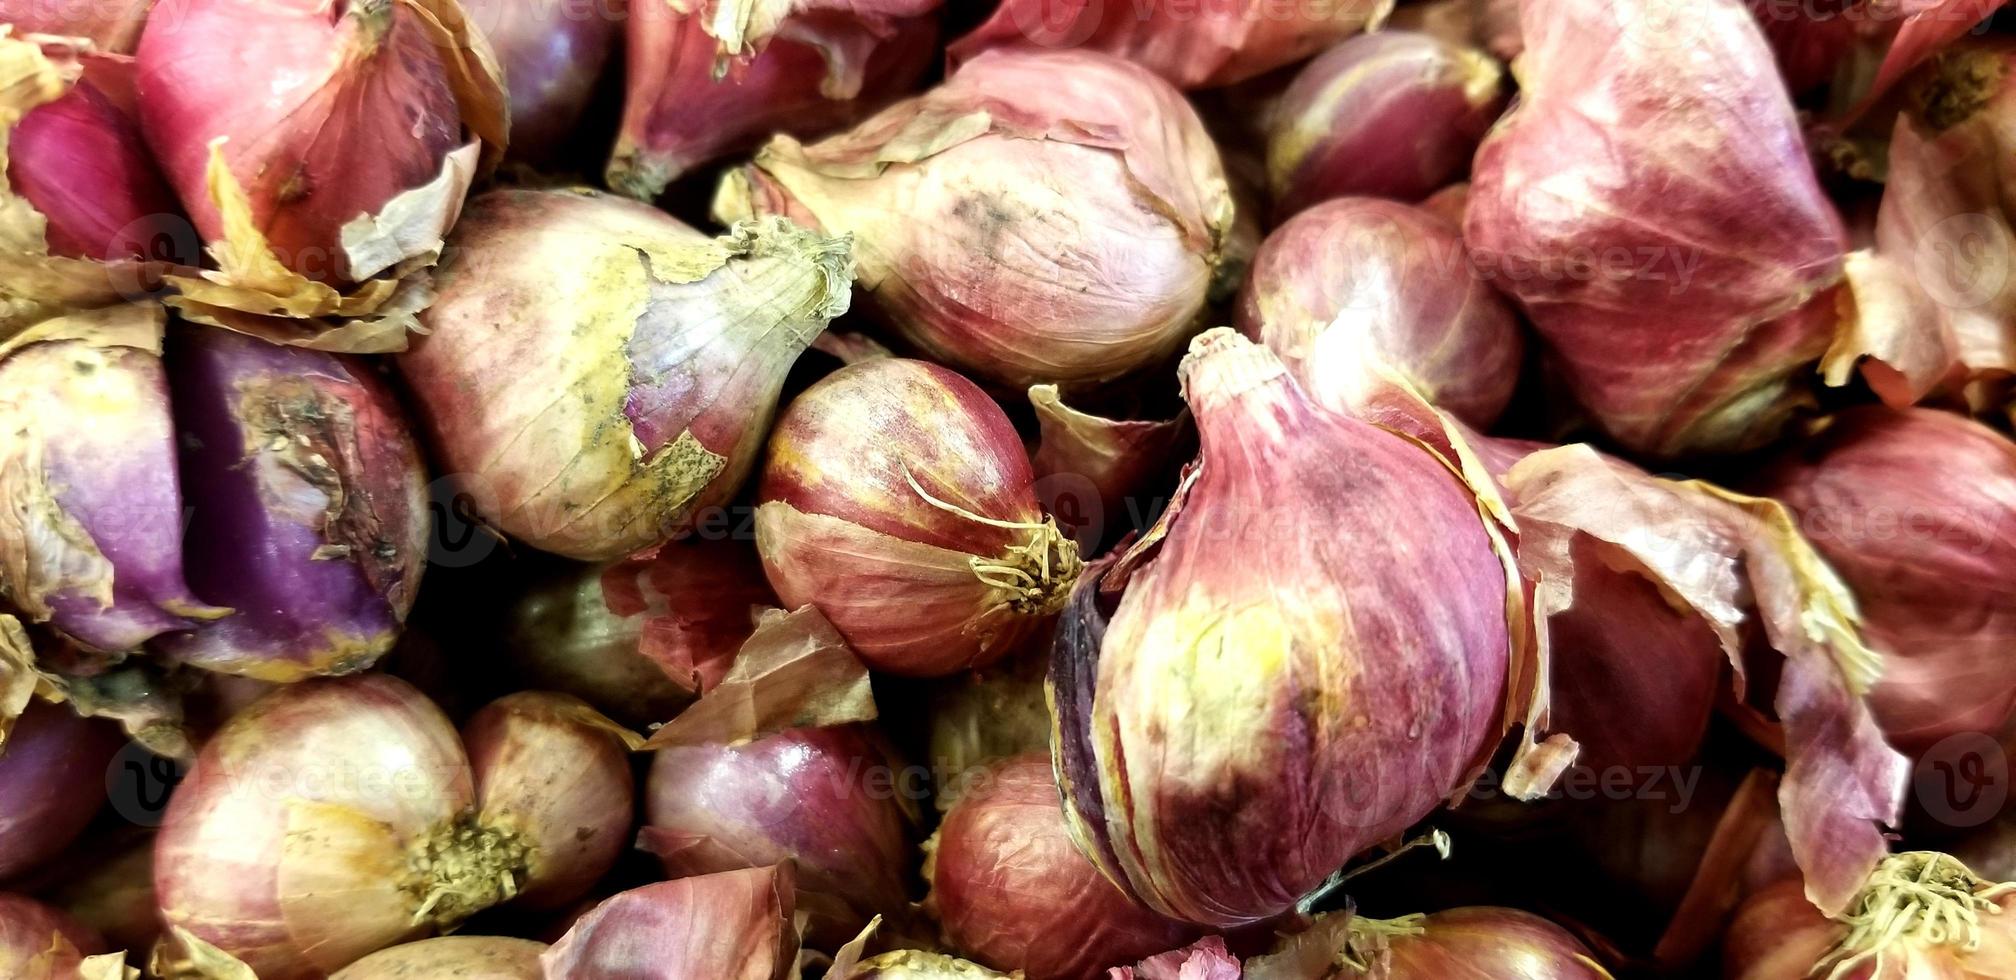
(38, 942)
(461, 957)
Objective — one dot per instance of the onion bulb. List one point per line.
(1010, 889)
(898, 499)
(40, 943)
(1040, 217)
(1306, 773)
(462, 957)
(52, 782)
(735, 925)
(670, 348)
(1476, 943)
(551, 54)
(1921, 915)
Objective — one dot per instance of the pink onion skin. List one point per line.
(113, 27)
(828, 65)
(825, 799)
(552, 53)
(296, 86)
(1394, 114)
(461, 957)
(1482, 943)
(1360, 275)
(1198, 46)
(1778, 935)
(52, 782)
(544, 770)
(1677, 257)
(1206, 959)
(735, 925)
(1321, 772)
(1011, 890)
(80, 161)
(1914, 509)
(29, 928)
(840, 527)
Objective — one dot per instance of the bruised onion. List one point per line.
(1039, 217)
(40, 943)
(551, 53)
(1305, 769)
(1192, 45)
(463, 957)
(52, 782)
(828, 800)
(735, 925)
(707, 78)
(1477, 943)
(1922, 915)
(1393, 114)
(81, 163)
(1010, 888)
(666, 350)
(1655, 213)
(897, 498)
(1353, 290)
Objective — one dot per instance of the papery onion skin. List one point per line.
(735, 925)
(461, 957)
(308, 507)
(669, 385)
(692, 98)
(1914, 508)
(1072, 239)
(1677, 256)
(29, 930)
(841, 526)
(1092, 472)
(1360, 276)
(112, 27)
(1393, 114)
(1192, 46)
(81, 162)
(917, 965)
(552, 53)
(1322, 772)
(1778, 935)
(547, 773)
(52, 782)
(1011, 890)
(985, 716)
(1484, 944)
(1206, 959)
(828, 800)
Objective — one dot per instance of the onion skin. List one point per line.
(52, 782)
(1192, 46)
(915, 965)
(1010, 889)
(81, 162)
(984, 716)
(461, 957)
(1778, 935)
(823, 799)
(34, 937)
(840, 526)
(1029, 251)
(1393, 114)
(1206, 959)
(112, 27)
(1092, 471)
(1356, 277)
(735, 925)
(672, 364)
(824, 65)
(552, 53)
(1695, 201)
(1319, 773)
(1913, 508)
(308, 507)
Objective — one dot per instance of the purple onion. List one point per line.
(552, 53)
(52, 782)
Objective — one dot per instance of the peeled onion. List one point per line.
(1040, 217)
(52, 782)
(1459, 944)
(40, 943)
(1306, 770)
(735, 925)
(1922, 915)
(462, 957)
(1011, 890)
(898, 499)
(551, 53)
(670, 347)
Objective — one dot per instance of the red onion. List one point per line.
(1072, 238)
(1192, 45)
(986, 715)
(1476, 943)
(462, 957)
(551, 54)
(1922, 915)
(1206, 959)
(1010, 888)
(1305, 772)
(671, 345)
(898, 500)
(828, 800)
(113, 28)
(1352, 291)
(1656, 214)
(735, 925)
(40, 943)
(1091, 469)
(711, 78)
(52, 782)
(1393, 114)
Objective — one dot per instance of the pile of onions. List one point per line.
(670, 348)
(1074, 237)
(828, 800)
(1193, 46)
(735, 925)
(1479, 943)
(334, 818)
(465, 957)
(898, 499)
(40, 943)
(1678, 257)
(707, 79)
(1352, 291)
(1010, 889)
(52, 782)
(551, 53)
(1394, 114)
(1308, 770)
(1922, 915)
